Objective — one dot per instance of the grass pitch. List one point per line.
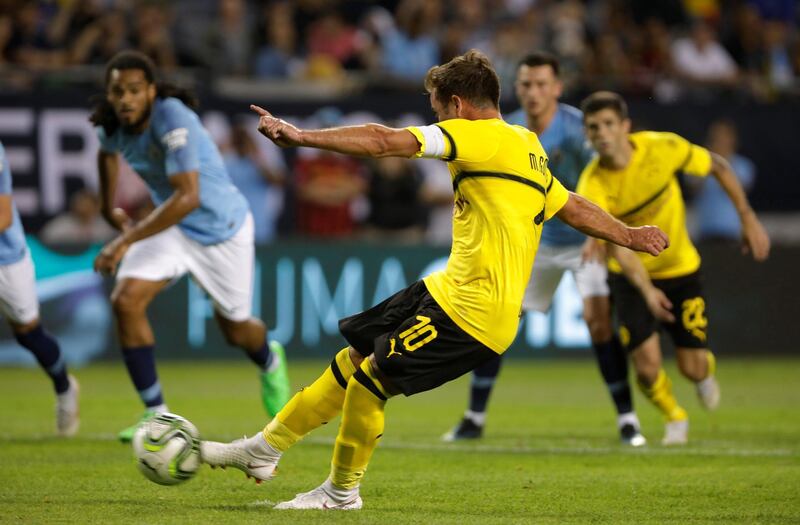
(550, 454)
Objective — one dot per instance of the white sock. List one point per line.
(262, 448)
(159, 409)
(479, 418)
(704, 383)
(627, 418)
(338, 494)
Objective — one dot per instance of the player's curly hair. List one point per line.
(102, 111)
(469, 76)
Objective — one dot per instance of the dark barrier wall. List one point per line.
(303, 289)
(52, 147)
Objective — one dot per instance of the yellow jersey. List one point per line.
(503, 193)
(646, 191)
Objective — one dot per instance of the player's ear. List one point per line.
(458, 105)
(626, 125)
(152, 91)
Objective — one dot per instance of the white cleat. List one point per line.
(708, 392)
(253, 456)
(322, 499)
(68, 410)
(676, 433)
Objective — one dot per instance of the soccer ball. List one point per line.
(167, 449)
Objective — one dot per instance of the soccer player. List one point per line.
(559, 128)
(634, 179)
(441, 327)
(201, 226)
(19, 304)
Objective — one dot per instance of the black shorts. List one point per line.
(416, 345)
(636, 323)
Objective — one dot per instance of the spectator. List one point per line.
(28, 42)
(778, 68)
(81, 224)
(227, 44)
(717, 217)
(260, 181)
(152, 33)
(410, 47)
(394, 207)
(702, 61)
(276, 58)
(101, 40)
(328, 187)
(331, 37)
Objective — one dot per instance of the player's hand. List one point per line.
(648, 239)
(754, 238)
(659, 305)
(109, 257)
(277, 130)
(593, 251)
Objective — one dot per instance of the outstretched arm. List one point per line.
(587, 217)
(754, 237)
(368, 140)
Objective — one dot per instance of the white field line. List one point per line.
(656, 450)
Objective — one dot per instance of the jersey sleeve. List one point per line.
(5, 173)
(173, 129)
(555, 199)
(456, 140)
(106, 145)
(690, 159)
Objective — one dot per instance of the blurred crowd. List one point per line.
(666, 48)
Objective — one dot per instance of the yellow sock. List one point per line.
(660, 394)
(362, 426)
(712, 363)
(313, 406)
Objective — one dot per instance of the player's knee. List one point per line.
(127, 302)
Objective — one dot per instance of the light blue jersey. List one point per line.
(569, 152)
(12, 239)
(176, 142)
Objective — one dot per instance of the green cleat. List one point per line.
(126, 435)
(275, 390)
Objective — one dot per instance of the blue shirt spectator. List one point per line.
(716, 215)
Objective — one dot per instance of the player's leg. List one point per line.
(638, 332)
(20, 305)
(226, 272)
(481, 386)
(269, 356)
(545, 276)
(657, 387)
(130, 299)
(591, 279)
(146, 269)
(321, 401)
(690, 335)
(424, 352)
